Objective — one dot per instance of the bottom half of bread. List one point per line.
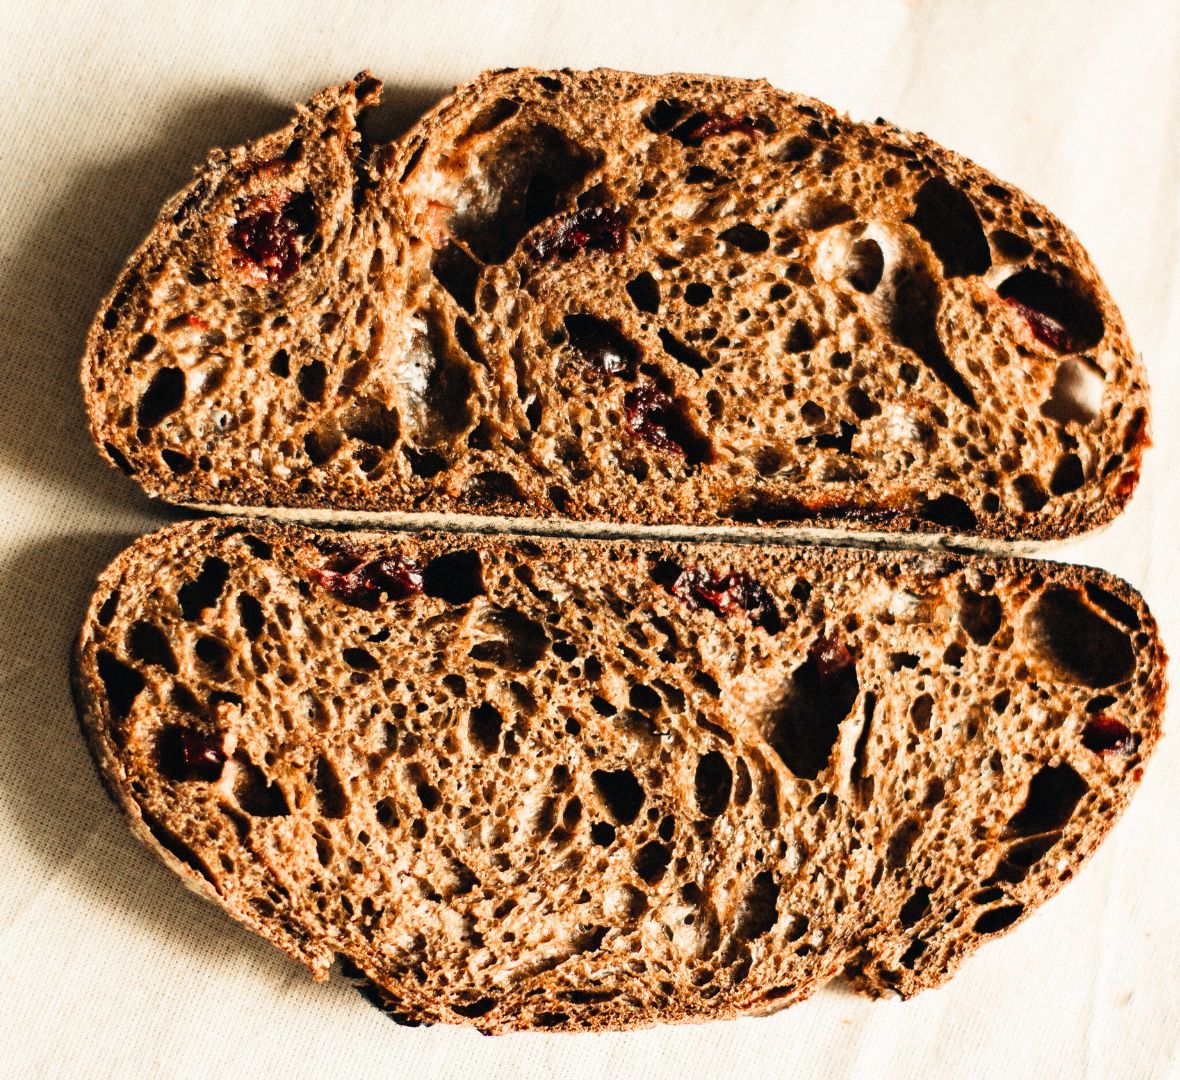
(523, 783)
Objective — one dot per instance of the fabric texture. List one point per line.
(108, 967)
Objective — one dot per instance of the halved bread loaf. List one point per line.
(521, 783)
(615, 297)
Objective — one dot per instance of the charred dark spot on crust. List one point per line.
(773, 508)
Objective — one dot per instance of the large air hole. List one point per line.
(997, 919)
(360, 659)
(651, 861)
(1077, 392)
(714, 782)
(1052, 796)
(369, 421)
(980, 615)
(330, 794)
(148, 643)
(804, 726)
(620, 793)
(681, 352)
(947, 220)
(164, 395)
(250, 616)
(1058, 314)
(510, 640)
(951, 512)
(484, 727)
(663, 115)
(312, 380)
(213, 653)
(201, 593)
(1077, 641)
(865, 265)
(910, 311)
(121, 683)
(1068, 475)
(746, 237)
(1114, 606)
(437, 382)
(492, 486)
(323, 441)
(759, 908)
(531, 174)
(915, 907)
(901, 843)
(602, 345)
(492, 116)
(458, 273)
(644, 291)
(456, 577)
(256, 795)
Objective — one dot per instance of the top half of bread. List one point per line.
(604, 296)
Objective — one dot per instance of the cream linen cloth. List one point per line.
(108, 967)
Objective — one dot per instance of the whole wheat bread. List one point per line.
(591, 784)
(615, 297)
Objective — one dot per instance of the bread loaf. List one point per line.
(600, 296)
(527, 783)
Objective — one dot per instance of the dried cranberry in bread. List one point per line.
(593, 784)
(624, 298)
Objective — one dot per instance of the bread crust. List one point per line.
(986, 392)
(967, 812)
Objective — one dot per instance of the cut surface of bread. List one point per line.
(523, 783)
(602, 296)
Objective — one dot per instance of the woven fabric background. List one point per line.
(108, 967)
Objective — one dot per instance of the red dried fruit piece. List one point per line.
(649, 414)
(1106, 735)
(364, 582)
(1127, 483)
(593, 228)
(268, 238)
(830, 656)
(701, 588)
(699, 127)
(1044, 327)
(197, 321)
(183, 753)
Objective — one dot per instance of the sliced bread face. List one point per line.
(619, 298)
(578, 785)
